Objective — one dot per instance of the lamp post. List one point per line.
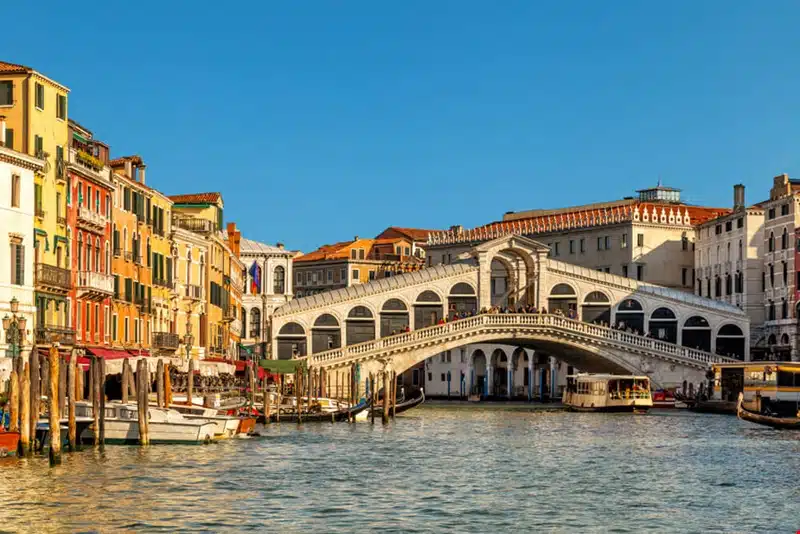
(15, 330)
(188, 339)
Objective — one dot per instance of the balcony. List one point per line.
(169, 284)
(228, 314)
(95, 286)
(117, 252)
(198, 226)
(165, 341)
(52, 278)
(193, 292)
(52, 334)
(61, 220)
(128, 255)
(236, 327)
(39, 212)
(88, 165)
(91, 220)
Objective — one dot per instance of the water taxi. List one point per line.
(767, 388)
(607, 393)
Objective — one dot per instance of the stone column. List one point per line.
(510, 386)
(484, 280)
(487, 384)
(530, 372)
(553, 387)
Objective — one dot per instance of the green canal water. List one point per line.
(434, 469)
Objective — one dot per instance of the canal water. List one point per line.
(434, 469)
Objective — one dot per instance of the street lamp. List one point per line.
(188, 339)
(15, 329)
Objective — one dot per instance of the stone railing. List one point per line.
(408, 340)
(165, 340)
(98, 282)
(91, 217)
(51, 276)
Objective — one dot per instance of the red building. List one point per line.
(89, 198)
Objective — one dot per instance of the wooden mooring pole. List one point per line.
(62, 385)
(71, 396)
(190, 382)
(55, 405)
(13, 401)
(394, 393)
(126, 371)
(298, 387)
(35, 395)
(24, 412)
(95, 396)
(160, 401)
(374, 394)
(142, 383)
(385, 397)
(101, 394)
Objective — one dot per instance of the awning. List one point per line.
(80, 138)
(139, 352)
(108, 354)
(284, 367)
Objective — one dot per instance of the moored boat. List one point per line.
(607, 393)
(9, 443)
(778, 423)
(225, 427)
(164, 425)
(405, 403)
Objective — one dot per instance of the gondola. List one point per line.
(319, 416)
(404, 404)
(779, 423)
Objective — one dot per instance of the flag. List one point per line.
(255, 277)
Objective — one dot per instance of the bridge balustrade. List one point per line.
(433, 332)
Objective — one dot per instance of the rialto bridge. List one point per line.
(594, 321)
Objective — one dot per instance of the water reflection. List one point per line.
(435, 469)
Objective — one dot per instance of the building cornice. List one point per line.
(21, 160)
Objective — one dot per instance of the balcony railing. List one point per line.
(169, 284)
(228, 314)
(100, 284)
(194, 292)
(117, 252)
(39, 211)
(51, 334)
(51, 276)
(236, 327)
(78, 159)
(61, 220)
(200, 226)
(92, 218)
(165, 340)
(128, 255)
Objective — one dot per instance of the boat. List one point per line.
(404, 403)
(607, 393)
(43, 431)
(778, 423)
(164, 425)
(663, 398)
(772, 386)
(226, 426)
(9, 443)
(291, 415)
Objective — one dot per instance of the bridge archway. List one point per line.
(520, 377)
(360, 325)
(731, 341)
(291, 341)
(478, 378)
(462, 299)
(696, 333)
(427, 309)
(663, 325)
(326, 334)
(630, 314)
(503, 281)
(596, 308)
(394, 317)
(499, 373)
(563, 297)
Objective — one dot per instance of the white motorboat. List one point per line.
(164, 425)
(607, 393)
(225, 426)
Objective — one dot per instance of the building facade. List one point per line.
(164, 339)
(35, 111)
(17, 172)
(268, 285)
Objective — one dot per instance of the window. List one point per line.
(78, 329)
(15, 185)
(343, 276)
(583, 245)
(97, 320)
(625, 271)
(556, 248)
(684, 272)
(6, 93)
(330, 275)
(255, 323)
(785, 239)
(740, 222)
(771, 213)
(17, 263)
(728, 226)
(608, 242)
(639, 240)
(785, 275)
(9, 137)
(114, 327)
(278, 282)
(372, 275)
(444, 378)
(784, 310)
(771, 242)
(684, 242)
(355, 278)
(599, 243)
(298, 278)
(39, 96)
(61, 107)
(572, 246)
(38, 146)
(785, 211)
(623, 241)
(639, 272)
(718, 229)
(771, 311)
(126, 330)
(771, 275)
(361, 254)
(740, 250)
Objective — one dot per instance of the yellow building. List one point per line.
(164, 337)
(188, 272)
(35, 111)
(222, 273)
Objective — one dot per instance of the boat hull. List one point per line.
(127, 433)
(9, 443)
(778, 423)
(610, 409)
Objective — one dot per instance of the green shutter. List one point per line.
(10, 138)
(169, 270)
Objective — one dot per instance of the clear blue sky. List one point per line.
(320, 120)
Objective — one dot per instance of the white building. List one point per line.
(268, 286)
(16, 236)
(729, 265)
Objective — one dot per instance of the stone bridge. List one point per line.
(366, 324)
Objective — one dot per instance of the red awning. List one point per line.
(139, 352)
(108, 354)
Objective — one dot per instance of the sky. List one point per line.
(321, 120)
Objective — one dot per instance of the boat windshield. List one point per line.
(628, 388)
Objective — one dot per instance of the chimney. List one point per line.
(457, 229)
(141, 173)
(356, 238)
(280, 245)
(738, 197)
(2, 130)
(129, 168)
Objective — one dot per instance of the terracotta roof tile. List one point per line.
(10, 68)
(415, 234)
(196, 198)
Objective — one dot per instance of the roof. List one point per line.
(415, 234)
(383, 285)
(12, 68)
(197, 198)
(248, 246)
(336, 251)
(135, 159)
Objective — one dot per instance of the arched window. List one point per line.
(124, 239)
(279, 280)
(729, 253)
(784, 310)
(785, 274)
(785, 239)
(202, 270)
(740, 250)
(97, 266)
(80, 251)
(87, 259)
(255, 323)
(771, 242)
(107, 269)
(148, 251)
(189, 266)
(244, 323)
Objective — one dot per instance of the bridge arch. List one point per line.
(696, 333)
(326, 333)
(359, 325)
(394, 316)
(428, 309)
(630, 314)
(663, 324)
(291, 341)
(730, 341)
(596, 308)
(462, 299)
(478, 364)
(564, 297)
